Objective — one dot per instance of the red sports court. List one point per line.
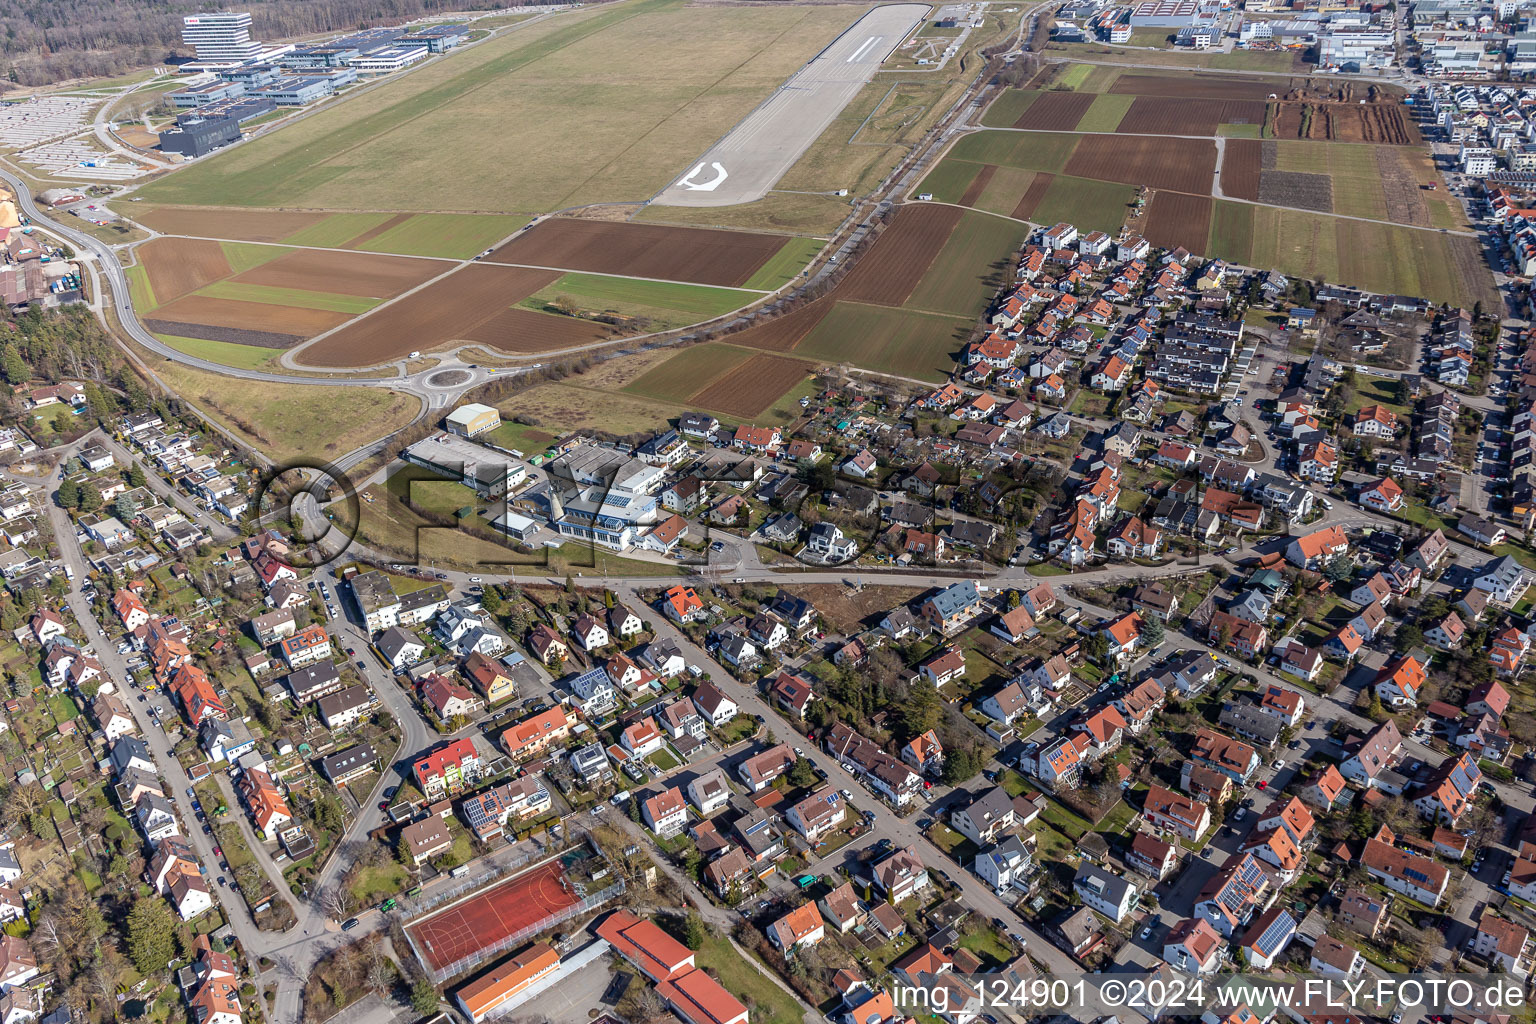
(488, 917)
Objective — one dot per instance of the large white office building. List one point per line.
(220, 37)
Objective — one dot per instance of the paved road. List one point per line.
(902, 831)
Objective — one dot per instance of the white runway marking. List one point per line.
(861, 51)
(707, 186)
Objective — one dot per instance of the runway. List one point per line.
(754, 155)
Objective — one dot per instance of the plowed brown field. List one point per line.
(1032, 195)
(378, 229)
(753, 386)
(1210, 87)
(1175, 219)
(245, 225)
(1381, 123)
(523, 330)
(1241, 166)
(179, 266)
(233, 335)
(448, 311)
(1182, 165)
(783, 333)
(1056, 111)
(978, 184)
(642, 250)
(1164, 115)
(251, 316)
(886, 275)
(378, 277)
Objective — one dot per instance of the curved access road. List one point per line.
(121, 299)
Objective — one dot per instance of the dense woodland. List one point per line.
(43, 42)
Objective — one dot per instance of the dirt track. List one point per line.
(698, 255)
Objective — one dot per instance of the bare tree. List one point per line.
(333, 900)
(381, 973)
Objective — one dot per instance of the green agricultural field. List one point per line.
(1075, 77)
(1231, 231)
(971, 268)
(601, 104)
(1033, 151)
(337, 230)
(243, 256)
(1002, 194)
(1087, 203)
(948, 181)
(898, 341)
(1357, 186)
(1009, 106)
(139, 288)
(785, 265)
(1105, 113)
(288, 297)
(242, 357)
(447, 235)
(666, 304)
(1384, 258)
(686, 373)
(1241, 131)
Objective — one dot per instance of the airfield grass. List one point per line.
(666, 304)
(241, 357)
(298, 297)
(903, 342)
(686, 373)
(290, 421)
(972, 266)
(447, 235)
(858, 149)
(243, 256)
(553, 115)
(785, 265)
(337, 230)
(786, 212)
